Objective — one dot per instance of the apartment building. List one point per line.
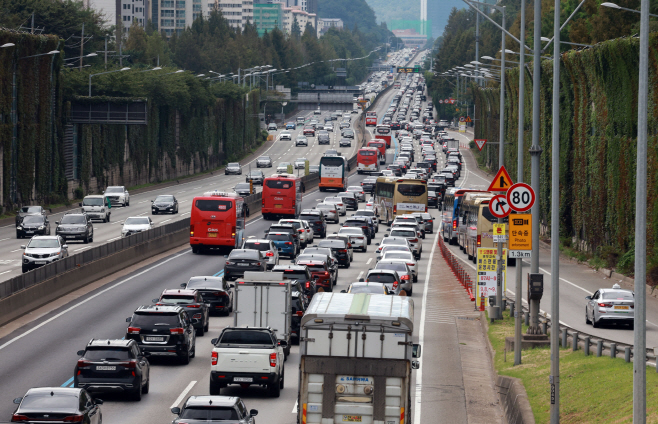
(289, 15)
(325, 24)
(267, 17)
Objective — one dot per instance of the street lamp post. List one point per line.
(108, 72)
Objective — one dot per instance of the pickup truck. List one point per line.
(247, 356)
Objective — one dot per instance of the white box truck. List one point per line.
(356, 359)
(263, 299)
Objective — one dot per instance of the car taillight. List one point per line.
(454, 224)
(395, 208)
(213, 360)
(176, 330)
(74, 419)
(299, 313)
(308, 284)
(133, 330)
(191, 230)
(414, 240)
(318, 222)
(269, 253)
(605, 305)
(82, 364)
(273, 359)
(479, 241)
(128, 364)
(326, 274)
(288, 243)
(404, 277)
(395, 285)
(342, 251)
(18, 418)
(194, 306)
(258, 263)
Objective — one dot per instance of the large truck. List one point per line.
(263, 299)
(357, 355)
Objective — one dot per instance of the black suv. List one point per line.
(33, 225)
(215, 291)
(339, 249)
(113, 366)
(163, 331)
(369, 184)
(75, 226)
(316, 220)
(192, 302)
(301, 274)
(323, 138)
(241, 260)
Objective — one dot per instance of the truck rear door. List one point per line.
(263, 305)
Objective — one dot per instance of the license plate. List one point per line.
(29, 232)
(278, 206)
(212, 235)
(621, 307)
(352, 418)
(154, 339)
(106, 368)
(69, 237)
(40, 262)
(243, 264)
(243, 379)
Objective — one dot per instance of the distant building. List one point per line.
(107, 8)
(130, 11)
(172, 16)
(267, 17)
(410, 37)
(236, 12)
(289, 15)
(325, 24)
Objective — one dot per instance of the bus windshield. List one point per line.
(213, 205)
(279, 184)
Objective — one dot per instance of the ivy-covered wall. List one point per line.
(598, 130)
(38, 166)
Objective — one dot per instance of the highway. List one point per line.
(43, 353)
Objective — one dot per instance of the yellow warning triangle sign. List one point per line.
(501, 181)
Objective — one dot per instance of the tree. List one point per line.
(296, 31)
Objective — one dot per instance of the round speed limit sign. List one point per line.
(521, 197)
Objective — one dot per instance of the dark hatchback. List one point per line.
(449, 177)
(241, 260)
(359, 222)
(339, 249)
(163, 331)
(215, 291)
(396, 168)
(33, 225)
(243, 189)
(349, 199)
(369, 184)
(192, 302)
(316, 220)
(113, 366)
(301, 274)
(57, 404)
(256, 176)
(432, 199)
(75, 226)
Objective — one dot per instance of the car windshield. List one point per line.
(107, 354)
(114, 190)
(256, 245)
(233, 165)
(40, 243)
(255, 174)
(92, 201)
(284, 164)
(309, 217)
(31, 209)
(618, 295)
(295, 224)
(44, 402)
(246, 338)
(242, 186)
(353, 231)
(164, 198)
(178, 300)
(243, 254)
(264, 158)
(279, 237)
(301, 159)
(150, 320)
(366, 288)
(33, 219)
(336, 244)
(326, 207)
(136, 221)
(296, 275)
(205, 414)
(381, 278)
(397, 255)
(390, 241)
(393, 266)
(364, 213)
(73, 219)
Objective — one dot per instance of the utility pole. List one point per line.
(639, 335)
(477, 44)
(32, 26)
(554, 378)
(82, 44)
(106, 52)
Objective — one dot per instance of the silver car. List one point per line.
(340, 205)
(300, 163)
(283, 168)
(392, 241)
(303, 229)
(330, 211)
(388, 277)
(301, 140)
(42, 250)
(357, 237)
(614, 305)
(406, 257)
(266, 248)
(403, 270)
(358, 192)
(264, 162)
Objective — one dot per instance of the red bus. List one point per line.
(217, 221)
(384, 132)
(367, 160)
(282, 196)
(380, 145)
(371, 119)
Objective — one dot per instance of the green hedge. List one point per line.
(598, 130)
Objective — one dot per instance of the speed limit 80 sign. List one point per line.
(520, 197)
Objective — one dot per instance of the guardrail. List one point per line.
(457, 269)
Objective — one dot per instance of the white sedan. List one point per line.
(357, 237)
(286, 136)
(340, 205)
(392, 241)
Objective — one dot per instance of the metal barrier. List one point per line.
(459, 271)
(38, 275)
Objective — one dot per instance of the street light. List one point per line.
(101, 73)
(7, 45)
(616, 6)
(548, 40)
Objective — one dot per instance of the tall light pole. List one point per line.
(535, 152)
(108, 72)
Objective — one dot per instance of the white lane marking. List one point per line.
(165, 221)
(180, 397)
(15, 250)
(186, 213)
(82, 248)
(5, 272)
(143, 201)
(196, 188)
(115, 238)
(140, 214)
(4, 239)
(421, 334)
(181, 192)
(77, 305)
(294, 408)
(182, 201)
(360, 275)
(369, 260)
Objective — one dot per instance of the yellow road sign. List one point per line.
(487, 273)
(520, 231)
